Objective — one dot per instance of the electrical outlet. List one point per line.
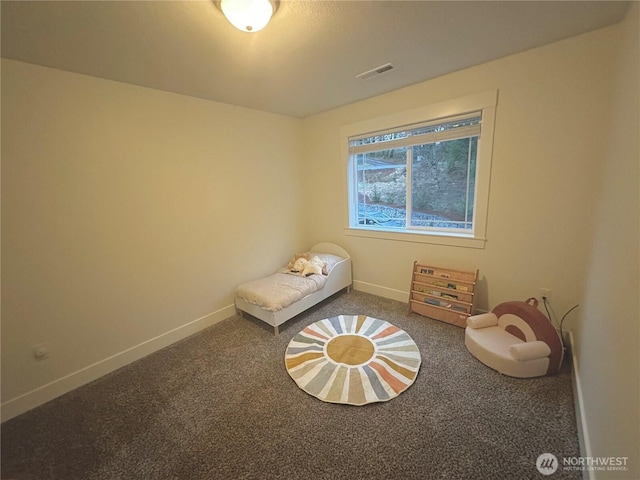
(545, 292)
(40, 351)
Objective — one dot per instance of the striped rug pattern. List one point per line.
(353, 359)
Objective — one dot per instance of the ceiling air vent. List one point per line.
(375, 71)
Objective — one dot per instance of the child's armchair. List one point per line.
(515, 339)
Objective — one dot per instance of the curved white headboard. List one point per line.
(332, 248)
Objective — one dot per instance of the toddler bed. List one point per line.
(283, 295)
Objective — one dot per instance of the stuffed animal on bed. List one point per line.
(306, 256)
(309, 267)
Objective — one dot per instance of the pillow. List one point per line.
(483, 320)
(529, 350)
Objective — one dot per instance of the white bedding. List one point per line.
(281, 289)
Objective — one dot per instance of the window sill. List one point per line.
(451, 240)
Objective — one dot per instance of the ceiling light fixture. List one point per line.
(248, 15)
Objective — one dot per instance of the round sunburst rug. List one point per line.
(353, 360)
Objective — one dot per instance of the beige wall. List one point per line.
(547, 149)
(608, 331)
(129, 212)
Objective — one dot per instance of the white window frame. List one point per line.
(486, 103)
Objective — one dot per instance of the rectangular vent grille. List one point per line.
(375, 71)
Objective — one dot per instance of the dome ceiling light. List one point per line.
(248, 15)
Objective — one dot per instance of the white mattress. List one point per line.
(281, 289)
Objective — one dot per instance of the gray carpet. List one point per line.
(220, 405)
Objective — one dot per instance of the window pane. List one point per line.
(386, 137)
(439, 131)
(443, 182)
(382, 188)
(441, 127)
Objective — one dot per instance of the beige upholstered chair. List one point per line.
(516, 339)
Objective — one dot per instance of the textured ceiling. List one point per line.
(304, 62)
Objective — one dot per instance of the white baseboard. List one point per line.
(385, 292)
(34, 398)
(578, 400)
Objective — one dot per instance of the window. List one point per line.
(423, 180)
